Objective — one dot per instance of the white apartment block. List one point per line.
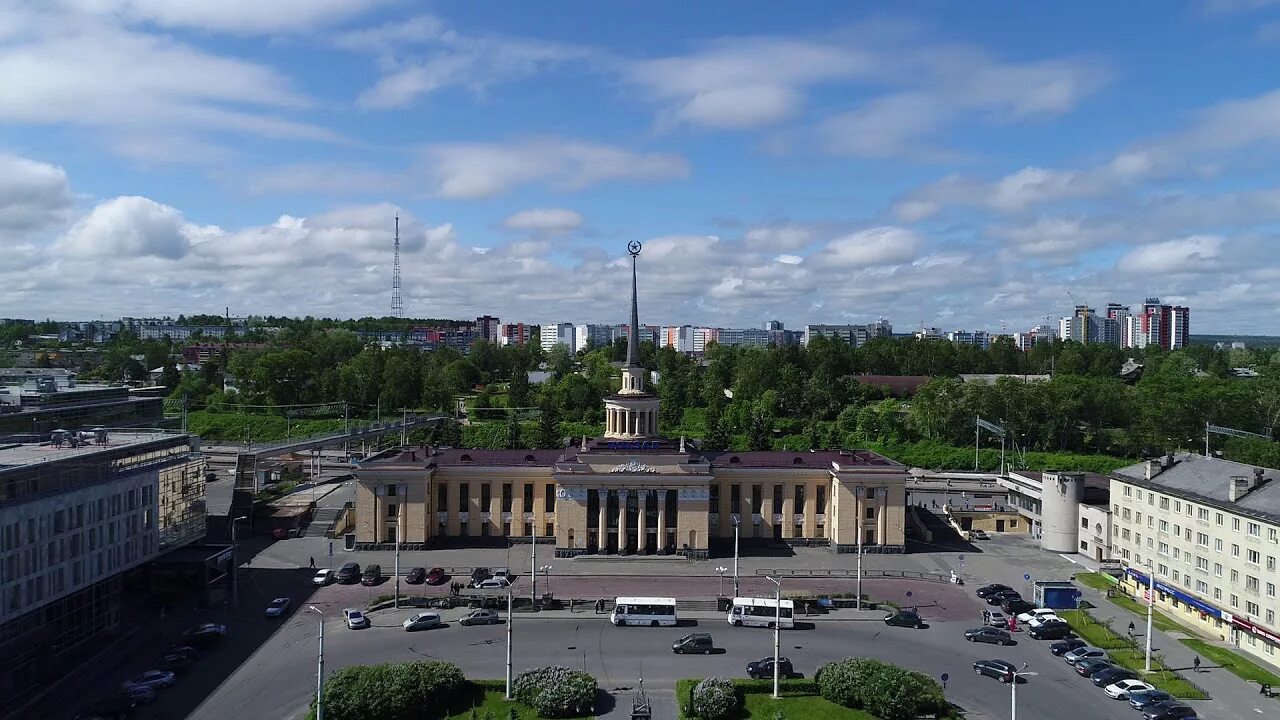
(980, 338)
(929, 333)
(754, 337)
(677, 337)
(594, 336)
(558, 334)
(1210, 530)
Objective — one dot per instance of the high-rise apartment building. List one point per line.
(557, 334)
(854, 335)
(515, 334)
(488, 328)
(979, 338)
(1115, 325)
(589, 336)
(1166, 326)
(678, 337)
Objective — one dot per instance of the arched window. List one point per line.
(465, 458)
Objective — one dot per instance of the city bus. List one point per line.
(760, 612)
(651, 611)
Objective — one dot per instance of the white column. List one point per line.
(882, 531)
(603, 535)
(662, 519)
(640, 520)
(654, 428)
(622, 520)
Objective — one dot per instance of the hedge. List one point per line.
(714, 699)
(391, 691)
(555, 691)
(886, 691)
(685, 689)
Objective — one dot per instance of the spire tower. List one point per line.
(632, 412)
(397, 305)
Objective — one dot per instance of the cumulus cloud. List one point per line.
(544, 220)
(779, 237)
(129, 227)
(234, 16)
(33, 195)
(1195, 254)
(874, 246)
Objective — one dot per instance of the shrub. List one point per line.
(714, 698)
(391, 691)
(555, 691)
(884, 690)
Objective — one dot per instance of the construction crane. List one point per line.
(1084, 331)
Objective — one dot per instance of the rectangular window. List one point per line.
(528, 498)
(1164, 526)
(714, 497)
(821, 500)
(1177, 506)
(1252, 608)
(871, 493)
(1271, 562)
(1253, 557)
(735, 499)
(1235, 550)
(1202, 540)
(550, 530)
(1202, 587)
(1254, 529)
(1164, 503)
(1217, 569)
(506, 528)
(757, 491)
(1217, 544)
(871, 513)
(551, 498)
(391, 490)
(1128, 491)
(391, 510)
(1251, 584)
(484, 529)
(442, 498)
(1202, 514)
(799, 509)
(506, 498)
(464, 498)
(1084, 523)
(1235, 576)
(1202, 563)
(1235, 524)
(777, 498)
(486, 497)
(1271, 590)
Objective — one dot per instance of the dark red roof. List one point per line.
(463, 457)
(807, 459)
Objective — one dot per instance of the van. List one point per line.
(693, 643)
(372, 574)
(349, 573)
(422, 621)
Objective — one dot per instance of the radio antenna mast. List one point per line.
(397, 304)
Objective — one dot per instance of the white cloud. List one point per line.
(875, 246)
(33, 195)
(129, 227)
(544, 220)
(234, 16)
(888, 126)
(779, 237)
(1196, 254)
(477, 170)
(790, 259)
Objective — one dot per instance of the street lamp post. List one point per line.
(722, 571)
(777, 633)
(737, 521)
(1151, 601)
(235, 563)
(860, 492)
(320, 668)
(1013, 690)
(546, 573)
(509, 624)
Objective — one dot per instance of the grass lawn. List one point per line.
(1103, 582)
(761, 706)
(1235, 662)
(490, 700)
(1097, 581)
(1125, 654)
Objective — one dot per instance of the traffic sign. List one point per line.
(961, 558)
(945, 677)
(908, 593)
(1026, 576)
(330, 548)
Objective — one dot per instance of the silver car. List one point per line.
(1087, 651)
(480, 617)
(153, 679)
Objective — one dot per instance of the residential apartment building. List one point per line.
(1114, 325)
(488, 328)
(753, 337)
(557, 334)
(515, 334)
(1209, 529)
(678, 338)
(979, 338)
(1168, 326)
(853, 335)
(77, 511)
(929, 333)
(594, 336)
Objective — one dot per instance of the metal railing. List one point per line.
(847, 573)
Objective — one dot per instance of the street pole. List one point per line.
(1151, 601)
(320, 669)
(736, 523)
(509, 623)
(722, 570)
(777, 633)
(533, 566)
(235, 563)
(397, 600)
(1013, 690)
(859, 493)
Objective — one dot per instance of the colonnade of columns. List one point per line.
(602, 495)
(620, 421)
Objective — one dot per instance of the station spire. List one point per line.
(633, 330)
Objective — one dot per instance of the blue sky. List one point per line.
(952, 164)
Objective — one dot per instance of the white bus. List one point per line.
(651, 611)
(760, 612)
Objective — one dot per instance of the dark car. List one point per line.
(1065, 646)
(904, 618)
(349, 573)
(372, 574)
(987, 591)
(1050, 631)
(138, 694)
(184, 650)
(175, 662)
(116, 707)
(416, 576)
(999, 597)
(437, 576)
(1103, 678)
(1143, 699)
(1089, 666)
(763, 668)
(1001, 670)
(1016, 606)
(694, 643)
(479, 575)
(1169, 710)
(204, 635)
(995, 636)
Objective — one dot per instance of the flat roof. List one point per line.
(25, 454)
(1206, 479)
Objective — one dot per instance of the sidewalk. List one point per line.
(1228, 693)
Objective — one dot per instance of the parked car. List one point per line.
(422, 621)
(480, 617)
(1013, 606)
(979, 535)
(138, 694)
(323, 577)
(904, 618)
(988, 590)
(1001, 670)
(493, 583)
(694, 643)
(1169, 710)
(995, 618)
(763, 668)
(1103, 678)
(502, 573)
(372, 574)
(1063, 647)
(1050, 631)
(175, 662)
(1045, 620)
(205, 635)
(995, 636)
(349, 573)
(416, 576)
(999, 597)
(278, 607)
(1142, 699)
(116, 707)
(1089, 666)
(1036, 613)
(479, 575)
(437, 576)
(355, 619)
(153, 679)
(1082, 653)
(1122, 689)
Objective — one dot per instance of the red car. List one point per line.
(437, 576)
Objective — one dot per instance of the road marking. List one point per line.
(1068, 559)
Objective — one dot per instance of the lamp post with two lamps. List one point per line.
(1013, 690)
(737, 521)
(546, 574)
(777, 633)
(722, 571)
(320, 668)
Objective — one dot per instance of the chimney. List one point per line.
(1153, 469)
(1238, 487)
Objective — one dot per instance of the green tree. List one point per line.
(548, 433)
(760, 430)
(518, 389)
(460, 376)
(559, 361)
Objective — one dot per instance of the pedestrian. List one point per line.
(1195, 663)
(1132, 629)
(313, 563)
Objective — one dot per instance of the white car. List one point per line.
(1036, 622)
(422, 621)
(277, 607)
(1030, 615)
(995, 618)
(323, 577)
(979, 535)
(355, 618)
(154, 679)
(1121, 690)
(494, 583)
